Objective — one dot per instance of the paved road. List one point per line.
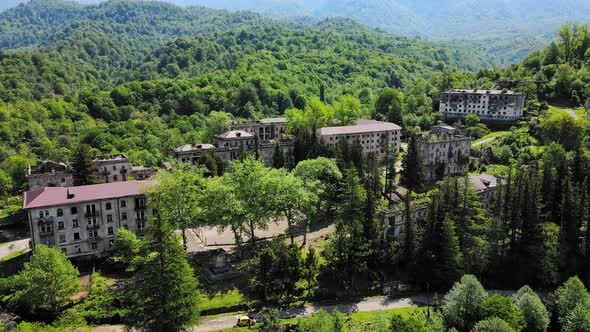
(485, 141)
(10, 247)
(366, 305)
(572, 113)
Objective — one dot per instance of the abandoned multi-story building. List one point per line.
(393, 219)
(499, 105)
(445, 151)
(192, 152)
(112, 168)
(83, 221)
(142, 172)
(230, 146)
(374, 136)
(50, 174)
(266, 129)
(485, 186)
(261, 136)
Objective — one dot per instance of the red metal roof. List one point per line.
(56, 196)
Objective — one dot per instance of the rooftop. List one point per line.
(483, 181)
(363, 126)
(194, 147)
(110, 157)
(48, 166)
(56, 196)
(273, 120)
(483, 92)
(235, 134)
(140, 168)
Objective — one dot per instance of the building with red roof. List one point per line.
(374, 136)
(83, 221)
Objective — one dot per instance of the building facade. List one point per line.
(374, 136)
(230, 146)
(83, 221)
(50, 174)
(486, 187)
(142, 172)
(266, 129)
(192, 152)
(498, 105)
(445, 151)
(393, 219)
(112, 168)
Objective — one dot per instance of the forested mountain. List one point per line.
(143, 77)
(563, 65)
(508, 30)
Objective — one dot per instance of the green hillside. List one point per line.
(109, 76)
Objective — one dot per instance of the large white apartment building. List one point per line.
(499, 105)
(374, 136)
(83, 221)
(445, 151)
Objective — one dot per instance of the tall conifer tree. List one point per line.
(83, 167)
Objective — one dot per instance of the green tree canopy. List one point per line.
(47, 282)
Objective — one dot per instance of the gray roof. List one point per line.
(363, 126)
(194, 147)
(235, 134)
(140, 168)
(111, 157)
(483, 92)
(483, 181)
(273, 120)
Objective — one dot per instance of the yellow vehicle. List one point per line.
(245, 321)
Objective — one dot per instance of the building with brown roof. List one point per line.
(374, 136)
(83, 221)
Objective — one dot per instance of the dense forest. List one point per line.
(143, 77)
(106, 76)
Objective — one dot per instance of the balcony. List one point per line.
(90, 214)
(123, 171)
(140, 207)
(142, 219)
(93, 226)
(46, 232)
(104, 172)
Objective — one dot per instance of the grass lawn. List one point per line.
(491, 135)
(223, 299)
(12, 205)
(357, 319)
(556, 111)
(369, 316)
